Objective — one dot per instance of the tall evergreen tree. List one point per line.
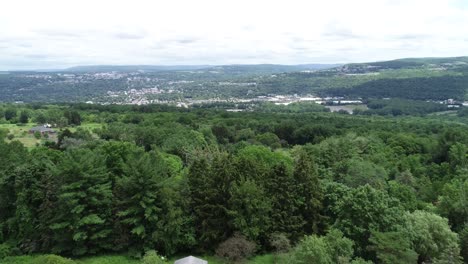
(24, 117)
(82, 225)
(140, 199)
(309, 193)
(209, 192)
(286, 217)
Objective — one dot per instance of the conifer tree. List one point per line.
(286, 217)
(82, 224)
(309, 193)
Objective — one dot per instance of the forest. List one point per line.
(276, 185)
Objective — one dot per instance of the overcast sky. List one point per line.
(61, 33)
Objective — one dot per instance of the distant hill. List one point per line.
(412, 78)
(134, 68)
(409, 63)
(237, 69)
(226, 69)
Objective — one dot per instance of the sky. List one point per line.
(54, 34)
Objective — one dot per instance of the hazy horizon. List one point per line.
(53, 34)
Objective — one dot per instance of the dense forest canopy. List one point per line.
(306, 185)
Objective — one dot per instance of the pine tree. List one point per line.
(82, 225)
(309, 193)
(140, 199)
(209, 193)
(286, 217)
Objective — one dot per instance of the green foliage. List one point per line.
(285, 215)
(249, 210)
(398, 107)
(431, 237)
(332, 248)
(279, 242)
(454, 202)
(24, 117)
(236, 248)
(392, 247)
(209, 197)
(85, 197)
(309, 192)
(52, 259)
(73, 117)
(37, 135)
(152, 257)
(167, 183)
(5, 250)
(359, 173)
(363, 210)
(269, 139)
(10, 114)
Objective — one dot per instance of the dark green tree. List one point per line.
(140, 199)
(24, 117)
(363, 210)
(249, 210)
(392, 247)
(73, 117)
(10, 114)
(309, 193)
(286, 216)
(209, 186)
(82, 224)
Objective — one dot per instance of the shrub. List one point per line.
(5, 250)
(11, 136)
(152, 257)
(280, 242)
(332, 248)
(37, 134)
(236, 248)
(52, 259)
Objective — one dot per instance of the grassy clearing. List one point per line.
(21, 134)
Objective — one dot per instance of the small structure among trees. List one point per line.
(42, 129)
(190, 260)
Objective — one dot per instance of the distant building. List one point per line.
(190, 260)
(42, 129)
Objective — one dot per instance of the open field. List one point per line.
(20, 132)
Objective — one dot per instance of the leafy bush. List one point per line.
(37, 135)
(332, 248)
(236, 248)
(151, 257)
(5, 250)
(280, 242)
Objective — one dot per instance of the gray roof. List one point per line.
(191, 260)
(42, 129)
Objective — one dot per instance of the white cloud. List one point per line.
(57, 33)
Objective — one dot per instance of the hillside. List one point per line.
(422, 79)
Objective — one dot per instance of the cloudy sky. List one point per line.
(61, 33)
